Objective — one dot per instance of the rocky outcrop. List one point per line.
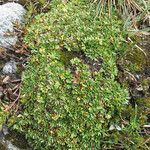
(10, 13)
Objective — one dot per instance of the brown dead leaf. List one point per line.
(2, 52)
(21, 51)
(76, 77)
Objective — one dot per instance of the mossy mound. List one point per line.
(69, 95)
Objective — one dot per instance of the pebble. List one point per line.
(1, 92)
(10, 67)
(5, 129)
(115, 127)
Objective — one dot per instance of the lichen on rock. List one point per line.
(10, 13)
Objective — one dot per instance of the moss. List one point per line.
(3, 116)
(66, 56)
(137, 60)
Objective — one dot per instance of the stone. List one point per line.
(10, 13)
(1, 93)
(115, 127)
(112, 127)
(118, 128)
(5, 129)
(10, 67)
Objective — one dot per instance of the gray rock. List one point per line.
(10, 67)
(1, 94)
(5, 129)
(10, 13)
(8, 145)
(115, 127)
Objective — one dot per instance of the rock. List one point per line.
(112, 127)
(118, 128)
(10, 13)
(13, 141)
(115, 127)
(10, 67)
(1, 135)
(1, 92)
(8, 145)
(5, 129)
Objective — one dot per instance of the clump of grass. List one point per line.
(133, 12)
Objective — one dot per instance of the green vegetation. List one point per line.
(3, 116)
(70, 96)
(135, 13)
